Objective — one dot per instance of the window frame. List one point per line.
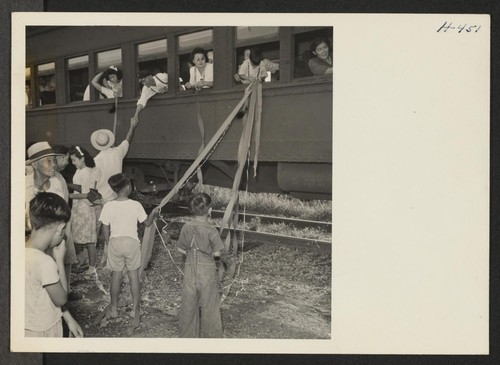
(235, 46)
(303, 30)
(136, 60)
(177, 35)
(35, 76)
(67, 78)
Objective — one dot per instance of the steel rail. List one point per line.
(298, 223)
(271, 238)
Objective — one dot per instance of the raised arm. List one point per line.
(138, 111)
(133, 124)
(58, 292)
(95, 82)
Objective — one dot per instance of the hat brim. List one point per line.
(31, 160)
(111, 139)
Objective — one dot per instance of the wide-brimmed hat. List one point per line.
(102, 139)
(38, 150)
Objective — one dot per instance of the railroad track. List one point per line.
(247, 235)
(297, 223)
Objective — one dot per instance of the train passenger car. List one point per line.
(296, 133)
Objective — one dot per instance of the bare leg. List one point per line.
(135, 288)
(92, 254)
(115, 292)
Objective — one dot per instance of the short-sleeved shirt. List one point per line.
(111, 88)
(123, 216)
(148, 92)
(110, 162)
(318, 66)
(195, 75)
(206, 236)
(40, 270)
(260, 71)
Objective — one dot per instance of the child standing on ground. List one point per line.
(83, 223)
(46, 286)
(201, 244)
(119, 219)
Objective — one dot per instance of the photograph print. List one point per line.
(178, 182)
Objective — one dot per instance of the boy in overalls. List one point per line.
(201, 244)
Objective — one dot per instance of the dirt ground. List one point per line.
(280, 292)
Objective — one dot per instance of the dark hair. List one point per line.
(60, 149)
(48, 208)
(118, 182)
(112, 70)
(82, 152)
(255, 56)
(200, 203)
(317, 42)
(199, 50)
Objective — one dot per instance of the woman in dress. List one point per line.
(83, 221)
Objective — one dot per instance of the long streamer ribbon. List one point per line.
(149, 232)
(232, 210)
(202, 132)
(116, 116)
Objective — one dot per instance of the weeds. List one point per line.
(271, 204)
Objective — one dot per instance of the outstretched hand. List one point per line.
(134, 121)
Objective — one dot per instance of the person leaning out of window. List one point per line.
(201, 75)
(320, 62)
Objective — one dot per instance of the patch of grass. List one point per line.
(271, 204)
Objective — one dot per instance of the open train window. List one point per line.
(307, 61)
(46, 83)
(257, 44)
(107, 60)
(151, 59)
(186, 44)
(78, 77)
(27, 88)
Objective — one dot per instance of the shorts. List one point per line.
(124, 252)
(54, 331)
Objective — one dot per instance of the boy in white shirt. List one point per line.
(46, 288)
(119, 219)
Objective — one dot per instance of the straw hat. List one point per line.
(102, 139)
(162, 77)
(38, 150)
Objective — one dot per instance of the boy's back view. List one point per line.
(119, 219)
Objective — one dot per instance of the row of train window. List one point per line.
(152, 59)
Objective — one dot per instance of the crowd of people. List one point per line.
(318, 61)
(98, 193)
(73, 196)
